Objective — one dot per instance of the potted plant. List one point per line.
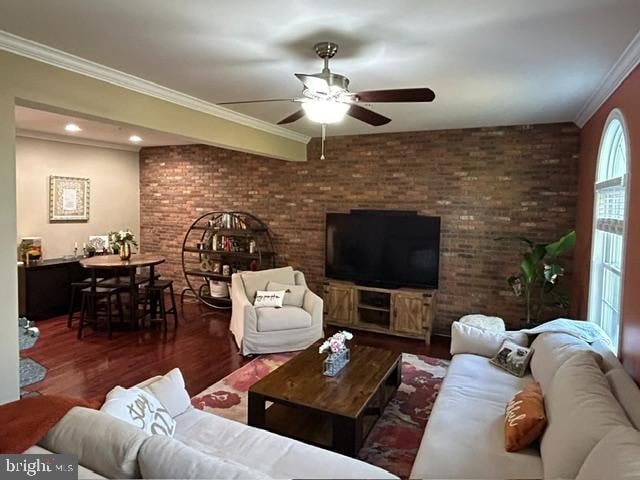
(91, 250)
(122, 241)
(538, 277)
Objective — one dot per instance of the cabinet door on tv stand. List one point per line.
(408, 313)
(338, 302)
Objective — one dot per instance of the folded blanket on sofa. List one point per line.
(587, 331)
(25, 422)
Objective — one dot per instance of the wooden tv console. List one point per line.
(402, 312)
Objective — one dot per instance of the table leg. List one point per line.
(133, 299)
(256, 412)
(346, 435)
(93, 311)
(154, 301)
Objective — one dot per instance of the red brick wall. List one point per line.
(484, 183)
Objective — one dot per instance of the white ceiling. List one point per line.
(490, 62)
(33, 122)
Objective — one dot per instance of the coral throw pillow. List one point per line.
(524, 419)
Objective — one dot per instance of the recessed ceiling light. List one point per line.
(135, 138)
(72, 127)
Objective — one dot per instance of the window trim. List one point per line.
(615, 114)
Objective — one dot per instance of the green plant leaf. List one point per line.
(538, 252)
(528, 267)
(563, 245)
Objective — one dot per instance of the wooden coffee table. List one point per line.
(336, 413)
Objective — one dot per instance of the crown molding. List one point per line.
(629, 60)
(52, 56)
(53, 137)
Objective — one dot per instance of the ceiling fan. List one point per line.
(326, 98)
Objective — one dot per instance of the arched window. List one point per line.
(609, 227)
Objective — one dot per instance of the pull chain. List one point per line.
(324, 136)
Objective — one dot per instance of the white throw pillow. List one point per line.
(616, 456)
(170, 390)
(141, 409)
(626, 392)
(551, 351)
(265, 298)
(254, 281)
(581, 410)
(293, 294)
(469, 339)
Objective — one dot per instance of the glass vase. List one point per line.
(335, 362)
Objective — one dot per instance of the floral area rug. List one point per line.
(394, 440)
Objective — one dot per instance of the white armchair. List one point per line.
(268, 329)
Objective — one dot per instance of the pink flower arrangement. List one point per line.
(336, 342)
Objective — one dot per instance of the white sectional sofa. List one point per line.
(587, 396)
(203, 446)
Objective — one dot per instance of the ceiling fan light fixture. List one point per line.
(325, 111)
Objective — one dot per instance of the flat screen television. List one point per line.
(383, 248)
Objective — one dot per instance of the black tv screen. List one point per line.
(385, 249)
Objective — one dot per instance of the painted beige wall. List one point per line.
(114, 198)
(8, 276)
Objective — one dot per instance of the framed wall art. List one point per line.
(68, 199)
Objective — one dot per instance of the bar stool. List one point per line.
(77, 287)
(92, 299)
(156, 293)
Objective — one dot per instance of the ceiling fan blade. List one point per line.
(398, 95)
(258, 101)
(292, 118)
(313, 83)
(367, 116)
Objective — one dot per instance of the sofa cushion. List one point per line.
(170, 390)
(524, 419)
(294, 294)
(551, 350)
(254, 281)
(581, 410)
(616, 456)
(470, 339)
(164, 457)
(272, 319)
(626, 392)
(104, 444)
(141, 409)
(464, 437)
(273, 455)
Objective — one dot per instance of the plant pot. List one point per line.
(91, 254)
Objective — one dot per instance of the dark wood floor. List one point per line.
(202, 347)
